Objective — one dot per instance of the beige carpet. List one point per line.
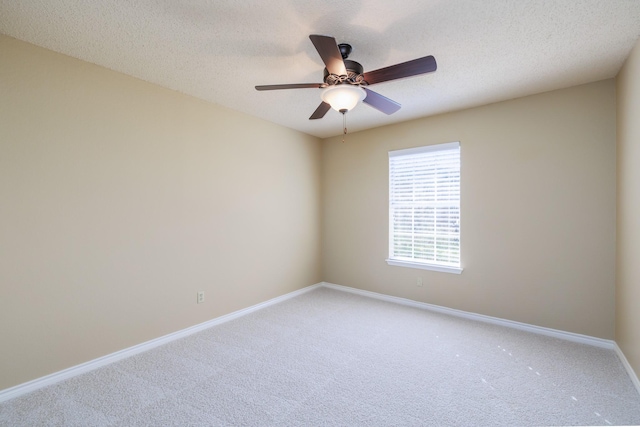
(329, 358)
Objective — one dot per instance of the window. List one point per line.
(424, 207)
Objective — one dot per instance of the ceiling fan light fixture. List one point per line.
(343, 97)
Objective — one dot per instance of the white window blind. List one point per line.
(424, 207)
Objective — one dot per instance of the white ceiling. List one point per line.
(218, 50)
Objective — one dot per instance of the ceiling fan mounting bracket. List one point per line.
(345, 50)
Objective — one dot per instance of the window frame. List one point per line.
(413, 263)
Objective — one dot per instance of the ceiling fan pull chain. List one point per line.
(344, 124)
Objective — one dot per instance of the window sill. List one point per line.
(422, 266)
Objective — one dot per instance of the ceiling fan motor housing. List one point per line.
(354, 74)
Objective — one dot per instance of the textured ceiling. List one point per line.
(218, 50)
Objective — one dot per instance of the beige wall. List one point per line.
(628, 230)
(537, 205)
(119, 200)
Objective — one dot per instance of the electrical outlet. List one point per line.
(419, 282)
(200, 297)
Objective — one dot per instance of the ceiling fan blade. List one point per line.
(380, 102)
(320, 111)
(328, 50)
(399, 71)
(290, 86)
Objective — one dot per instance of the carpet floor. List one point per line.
(331, 358)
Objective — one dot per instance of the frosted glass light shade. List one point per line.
(343, 97)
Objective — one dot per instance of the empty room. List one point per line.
(293, 213)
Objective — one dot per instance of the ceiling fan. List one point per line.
(345, 82)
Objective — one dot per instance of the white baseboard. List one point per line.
(627, 366)
(569, 336)
(91, 365)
